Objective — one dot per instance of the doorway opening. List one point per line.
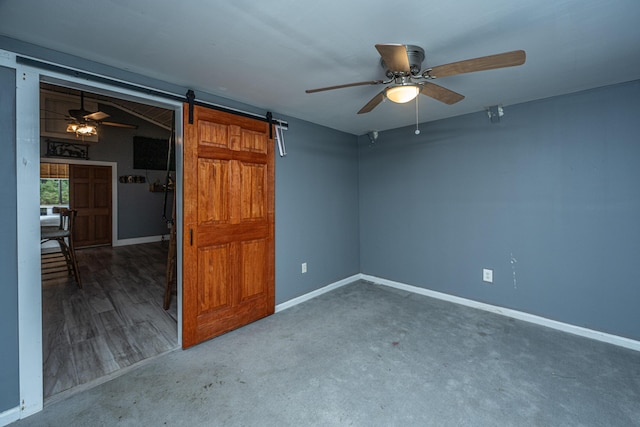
(117, 319)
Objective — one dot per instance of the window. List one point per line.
(54, 191)
(54, 186)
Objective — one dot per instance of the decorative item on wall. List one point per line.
(132, 179)
(157, 187)
(67, 149)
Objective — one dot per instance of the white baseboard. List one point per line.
(317, 292)
(9, 416)
(531, 318)
(140, 240)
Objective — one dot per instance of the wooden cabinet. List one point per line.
(54, 109)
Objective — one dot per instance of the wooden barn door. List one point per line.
(228, 227)
(90, 195)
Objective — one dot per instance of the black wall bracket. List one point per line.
(270, 121)
(191, 97)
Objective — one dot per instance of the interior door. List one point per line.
(228, 228)
(90, 195)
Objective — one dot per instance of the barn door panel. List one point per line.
(229, 253)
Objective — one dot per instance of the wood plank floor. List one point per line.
(116, 320)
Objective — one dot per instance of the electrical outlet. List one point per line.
(487, 275)
(304, 267)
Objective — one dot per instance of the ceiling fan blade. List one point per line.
(500, 60)
(78, 114)
(42, 110)
(371, 82)
(67, 118)
(395, 57)
(441, 94)
(119, 125)
(373, 103)
(98, 115)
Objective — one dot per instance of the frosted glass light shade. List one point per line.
(402, 94)
(82, 129)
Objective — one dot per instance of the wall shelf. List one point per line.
(158, 188)
(132, 179)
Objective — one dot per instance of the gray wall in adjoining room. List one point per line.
(316, 209)
(548, 198)
(139, 210)
(9, 362)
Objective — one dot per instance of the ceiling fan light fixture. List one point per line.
(402, 93)
(82, 129)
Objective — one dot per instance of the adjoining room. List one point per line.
(110, 315)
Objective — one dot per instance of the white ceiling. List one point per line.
(267, 53)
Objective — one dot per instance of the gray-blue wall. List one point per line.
(9, 379)
(316, 209)
(548, 198)
(139, 210)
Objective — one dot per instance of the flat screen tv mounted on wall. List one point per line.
(151, 154)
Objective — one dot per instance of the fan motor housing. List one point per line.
(415, 55)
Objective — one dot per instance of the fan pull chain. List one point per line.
(417, 132)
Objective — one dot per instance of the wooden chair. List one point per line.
(63, 234)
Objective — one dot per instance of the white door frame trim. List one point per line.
(28, 202)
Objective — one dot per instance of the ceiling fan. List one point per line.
(85, 123)
(406, 79)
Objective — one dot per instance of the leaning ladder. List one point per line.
(169, 288)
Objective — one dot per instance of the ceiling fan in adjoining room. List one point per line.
(406, 78)
(85, 123)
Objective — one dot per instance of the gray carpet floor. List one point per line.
(369, 355)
